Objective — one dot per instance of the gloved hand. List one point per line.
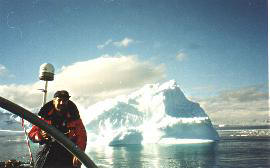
(44, 135)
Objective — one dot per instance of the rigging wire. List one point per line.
(28, 144)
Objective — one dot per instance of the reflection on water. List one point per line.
(188, 155)
(241, 153)
(153, 156)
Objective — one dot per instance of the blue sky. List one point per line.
(209, 47)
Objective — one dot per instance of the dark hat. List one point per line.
(62, 94)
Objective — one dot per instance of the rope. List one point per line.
(28, 144)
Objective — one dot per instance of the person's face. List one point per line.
(59, 103)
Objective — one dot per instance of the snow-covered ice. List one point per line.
(156, 113)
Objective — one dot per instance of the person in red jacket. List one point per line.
(63, 114)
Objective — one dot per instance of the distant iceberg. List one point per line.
(156, 113)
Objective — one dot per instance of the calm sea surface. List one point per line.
(238, 152)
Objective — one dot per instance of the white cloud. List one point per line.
(181, 56)
(25, 95)
(4, 72)
(124, 43)
(101, 46)
(90, 81)
(244, 105)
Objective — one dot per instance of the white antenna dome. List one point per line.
(46, 72)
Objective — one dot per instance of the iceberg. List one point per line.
(156, 113)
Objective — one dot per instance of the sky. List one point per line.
(216, 51)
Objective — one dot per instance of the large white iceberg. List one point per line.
(156, 113)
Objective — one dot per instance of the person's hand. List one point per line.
(44, 135)
(76, 162)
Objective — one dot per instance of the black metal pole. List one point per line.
(59, 137)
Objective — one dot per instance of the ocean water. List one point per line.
(225, 153)
(246, 152)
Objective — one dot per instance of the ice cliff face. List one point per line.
(156, 113)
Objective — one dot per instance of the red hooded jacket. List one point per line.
(67, 121)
